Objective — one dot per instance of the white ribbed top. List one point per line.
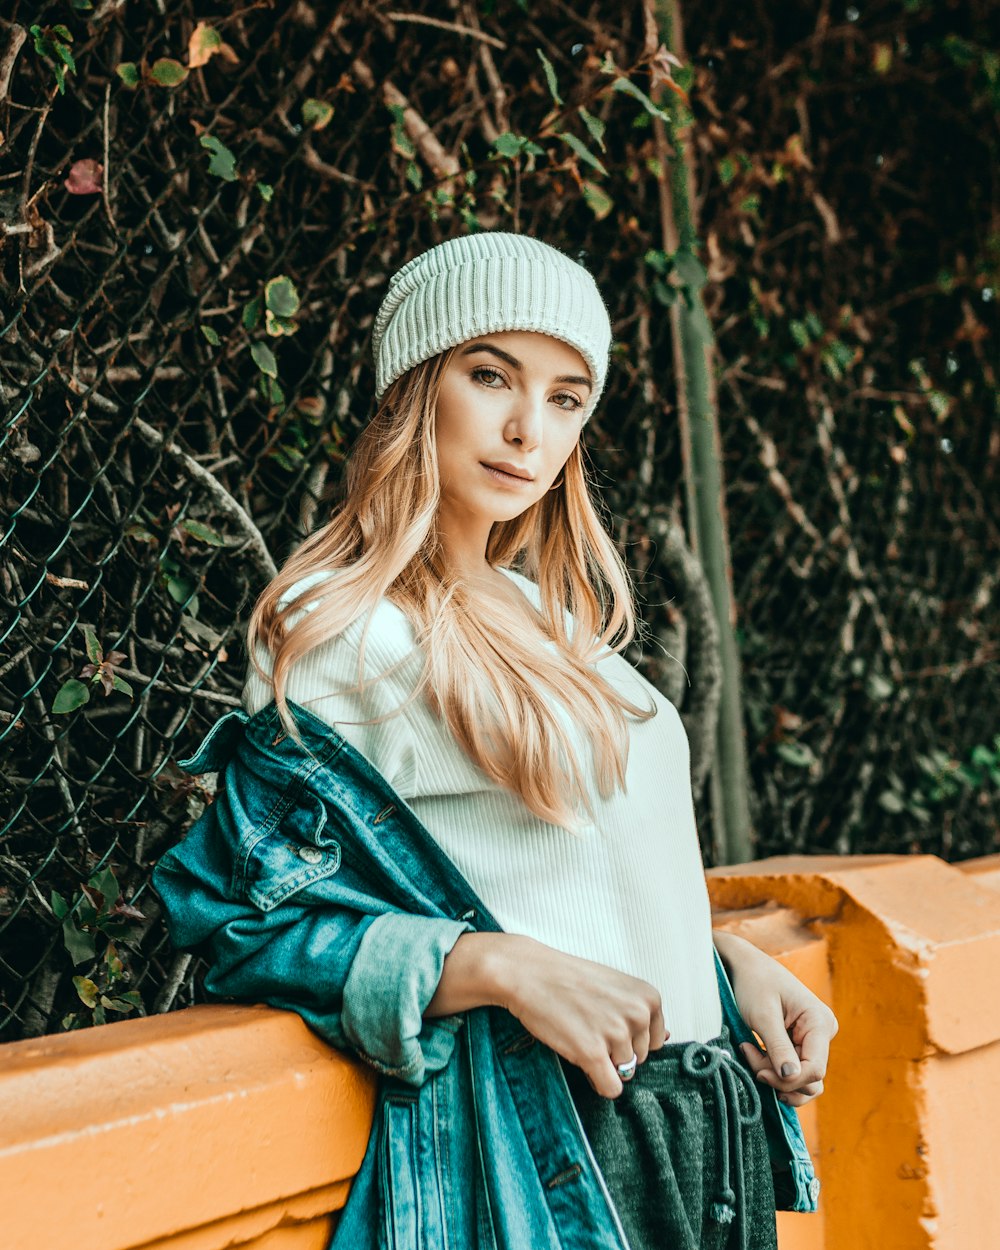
(629, 893)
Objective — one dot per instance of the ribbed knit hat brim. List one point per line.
(486, 283)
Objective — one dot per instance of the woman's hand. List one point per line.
(592, 1015)
(795, 1026)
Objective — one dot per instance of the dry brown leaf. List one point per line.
(85, 178)
(204, 43)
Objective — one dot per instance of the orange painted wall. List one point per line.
(909, 1122)
(231, 1126)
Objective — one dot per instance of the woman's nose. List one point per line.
(525, 426)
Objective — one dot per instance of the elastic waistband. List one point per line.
(673, 1052)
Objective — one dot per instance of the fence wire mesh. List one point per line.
(191, 257)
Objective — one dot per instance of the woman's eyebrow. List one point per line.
(516, 364)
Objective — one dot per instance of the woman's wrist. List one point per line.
(734, 950)
(479, 971)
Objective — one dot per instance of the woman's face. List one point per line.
(509, 413)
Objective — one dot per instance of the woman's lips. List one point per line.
(508, 479)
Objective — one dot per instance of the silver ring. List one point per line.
(627, 1070)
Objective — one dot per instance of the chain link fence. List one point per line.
(197, 221)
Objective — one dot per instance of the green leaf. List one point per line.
(266, 191)
(597, 198)
(211, 335)
(317, 114)
(658, 260)
(105, 883)
(87, 990)
(891, 801)
(119, 683)
(94, 652)
(511, 145)
(798, 754)
(507, 144)
(251, 313)
(128, 72)
(289, 458)
(278, 326)
(879, 688)
(595, 126)
(70, 695)
(166, 72)
(79, 944)
(203, 532)
(550, 76)
(689, 269)
(113, 962)
(264, 359)
(121, 1004)
(281, 297)
(271, 390)
(63, 32)
(629, 88)
(60, 907)
(581, 150)
(401, 142)
(727, 170)
(223, 162)
(179, 589)
(665, 295)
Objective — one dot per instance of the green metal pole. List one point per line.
(695, 357)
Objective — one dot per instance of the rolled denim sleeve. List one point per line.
(360, 975)
(393, 976)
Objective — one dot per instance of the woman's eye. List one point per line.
(485, 369)
(574, 403)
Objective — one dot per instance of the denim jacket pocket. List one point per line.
(290, 851)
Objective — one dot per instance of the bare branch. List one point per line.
(223, 500)
(16, 40)
(457, 27)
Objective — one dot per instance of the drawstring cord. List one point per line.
(709, 1063)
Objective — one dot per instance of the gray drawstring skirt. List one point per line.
(683, 1151)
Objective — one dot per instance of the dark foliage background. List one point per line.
(190, 260)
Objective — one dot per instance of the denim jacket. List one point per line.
(310, 885)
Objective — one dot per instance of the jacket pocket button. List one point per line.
(310, 854)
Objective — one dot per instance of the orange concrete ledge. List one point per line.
(216, 1126)
(230, 1126)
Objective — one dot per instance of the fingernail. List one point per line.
(789, 1069)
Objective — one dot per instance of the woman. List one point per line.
(494, 706)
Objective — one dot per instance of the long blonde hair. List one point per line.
(491, 683)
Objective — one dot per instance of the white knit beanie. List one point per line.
(485, 283)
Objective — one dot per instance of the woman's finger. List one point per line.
(641, 1045)
(603, 1077)
(658, 1031)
